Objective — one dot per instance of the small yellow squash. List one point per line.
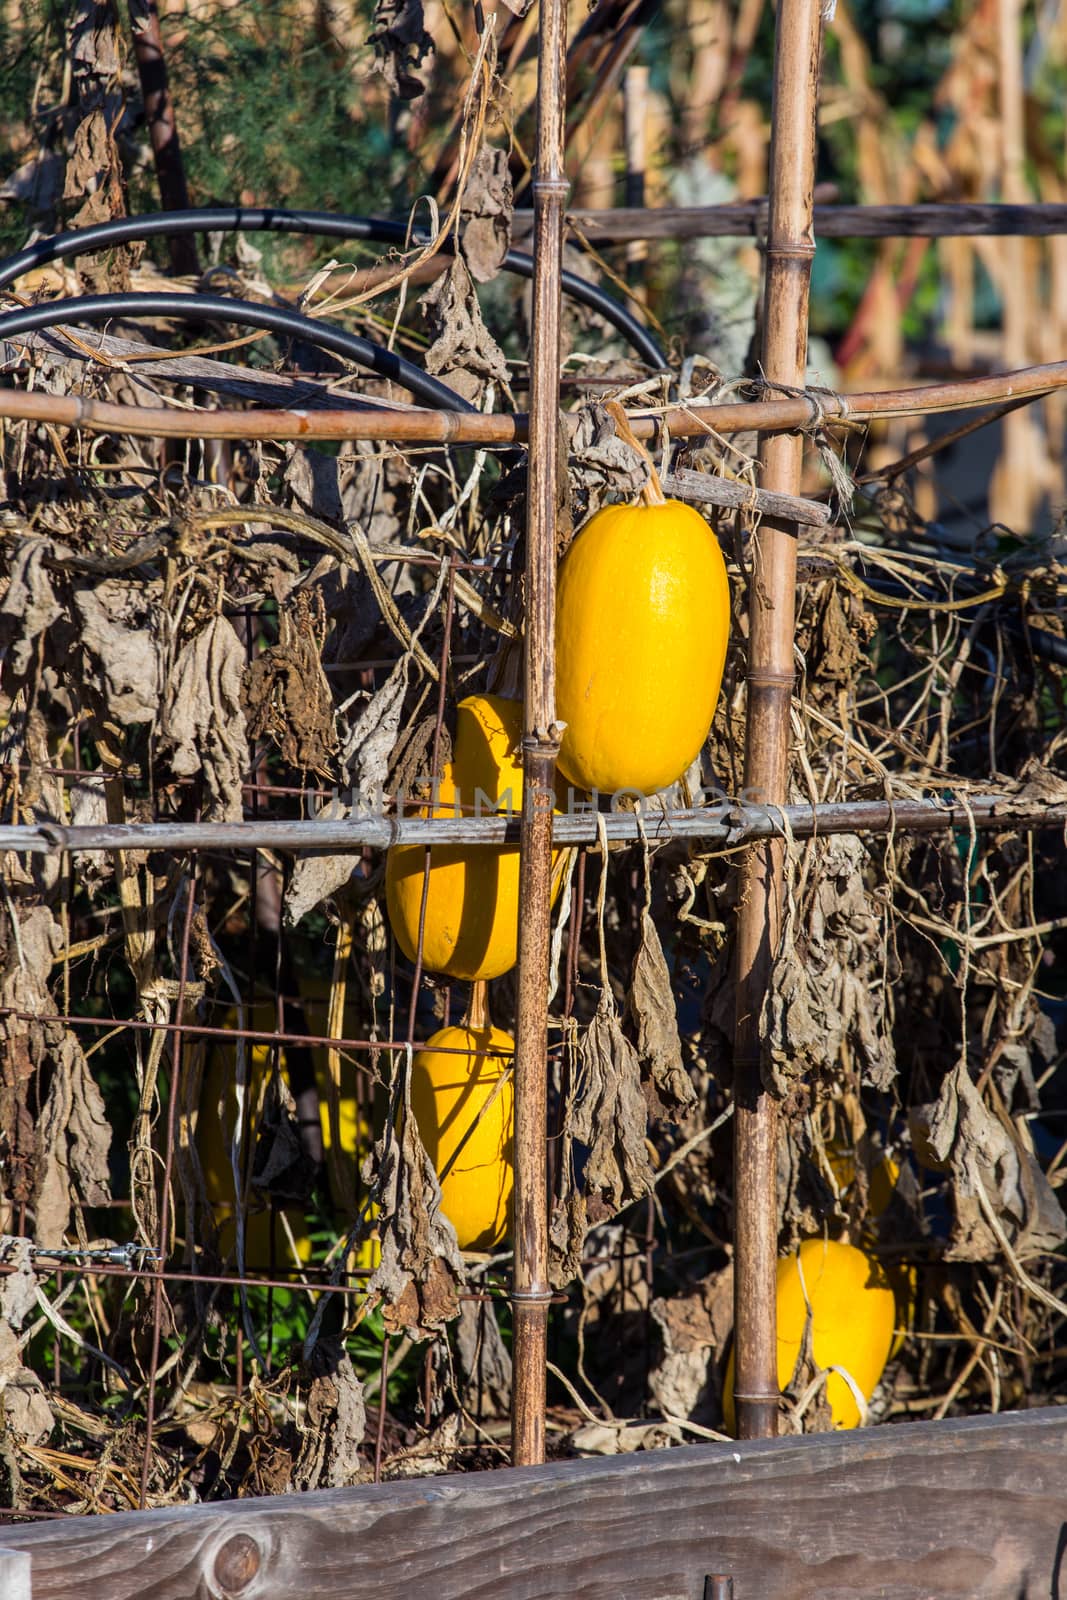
(462, 1105)
(881, 1178)
(472, 906)
(270, 1242)
(853, 1313)
(642, 623)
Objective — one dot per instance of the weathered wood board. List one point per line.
(928, 1511)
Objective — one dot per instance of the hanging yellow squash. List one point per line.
(642, 624)
(464, 1108)
(881, 1177)
(472, 905)
(269, 1241)
(882, 1185)
(272, 1236)
(853, 1314)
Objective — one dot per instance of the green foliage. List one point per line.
(270, 115)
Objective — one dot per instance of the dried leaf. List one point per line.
(314, 482)
(71, 1135)
(25, 1414)
(990, 1171)
(695, 1329)
(124, 658)
(401, 44)
(285, 693)
(73, 1140)
(464, 352)
(281, 1167)
(317, 877)
(433, 1454)
(93, 180)
(370, 742)
(567, 1228)
(826, 990)
(622, 1438)
(485, 222)
(203, 720)
(1039, 785)
(421, 1268)
(484, 1360)
(88, 809)
(650, 1002)
(603, 467)
(28, 609)
(94, 176)
(365, 757)
(335, 1420)
(609, 1115)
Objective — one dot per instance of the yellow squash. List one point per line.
(461, 1105)
(261, 1251)
(642, 623)
(472, 907)
(218, 1089)
(882, 1185)
(882, 1177)
(853, 1316)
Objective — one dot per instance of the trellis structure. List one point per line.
(223, 1562)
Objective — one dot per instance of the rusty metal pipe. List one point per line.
(530, 1288)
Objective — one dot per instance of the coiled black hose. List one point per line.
(276, 319)
(269, 219)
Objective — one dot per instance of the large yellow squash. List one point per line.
(853, 1315)
(472, 906)
(642, 623)
(459, 1101)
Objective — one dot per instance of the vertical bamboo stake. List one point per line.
(530, 1288)
(1015, 488)
(162, 128)
(635, 134)
(790, 248)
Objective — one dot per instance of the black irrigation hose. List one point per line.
(276, 319)
(270, 219)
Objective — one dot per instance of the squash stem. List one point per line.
(477, 1018)
(652, 492)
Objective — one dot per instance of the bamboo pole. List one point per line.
(162, 128)
(772, 592)
(413, 425)
(1016, 487)
(531, 1294)
(635, 137)
(746, 219)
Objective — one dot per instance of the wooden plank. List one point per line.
(748, 219)
(972, 1509)
(15, 1575)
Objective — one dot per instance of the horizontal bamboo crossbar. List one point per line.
(726, 824)
(748, 219)
(417, 426)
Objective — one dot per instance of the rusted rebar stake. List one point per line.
(772, 593)
(530, 1288)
